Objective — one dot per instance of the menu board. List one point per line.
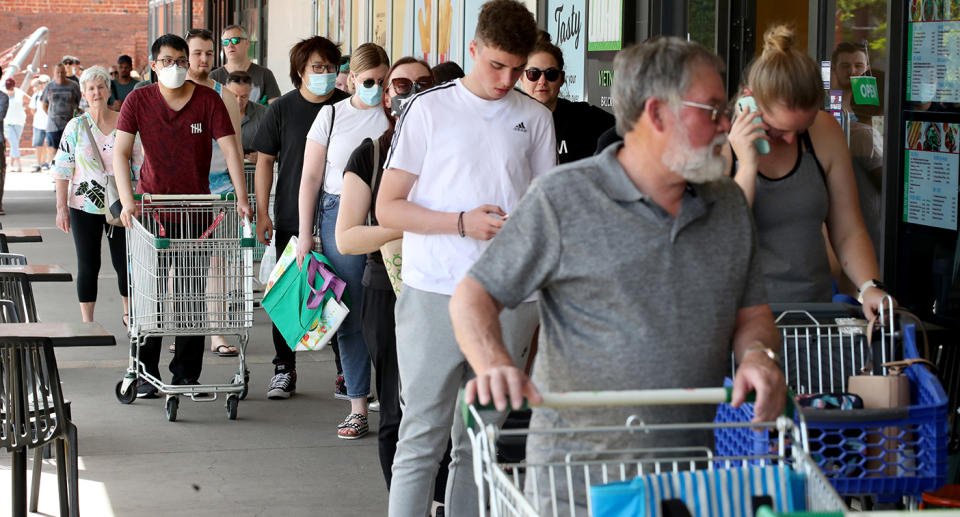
(565, 25)
(933, 51)
(931, 170)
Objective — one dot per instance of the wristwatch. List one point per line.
(767, 351)
(868, 284)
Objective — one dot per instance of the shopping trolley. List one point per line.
(886, 455)
(500, 484)
(249, 173)
(190, 267)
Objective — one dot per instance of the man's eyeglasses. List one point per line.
(182, 62)
(402, 85)
(114, 74)
(234, 40)
(715, 111)
(551, 74)
(369, 83)
(323, 68)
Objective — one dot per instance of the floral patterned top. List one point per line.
(75, 162)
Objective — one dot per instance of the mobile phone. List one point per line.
(763, 146)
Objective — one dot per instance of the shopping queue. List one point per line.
(525, 257)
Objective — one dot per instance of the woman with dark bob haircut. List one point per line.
(282, 136)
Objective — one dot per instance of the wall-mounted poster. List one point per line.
(445, 43)
(565, 20)
(380, 23)
(471, 11)
(402, 29)
(931, 171)
(358, 18)
(605, 25)
(933, 51)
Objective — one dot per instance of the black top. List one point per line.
(608, 137)
(361, 164)
(578, 125)
(283, 133)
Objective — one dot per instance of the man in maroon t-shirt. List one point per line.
(177, 121)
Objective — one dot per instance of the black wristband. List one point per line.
(460, 229)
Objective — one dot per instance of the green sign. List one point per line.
(865, 91)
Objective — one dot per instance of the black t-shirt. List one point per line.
(283, 133)
(361, 164)
(608, 137)
(578, 125)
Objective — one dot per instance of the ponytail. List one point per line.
(783, 75)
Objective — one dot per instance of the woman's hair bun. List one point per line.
(779, 38)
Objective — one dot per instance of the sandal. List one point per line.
(358, 430)
(226, 351)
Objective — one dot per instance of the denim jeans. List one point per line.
(353, 348)
(12, 135)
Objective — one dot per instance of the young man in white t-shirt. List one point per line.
(463, 156)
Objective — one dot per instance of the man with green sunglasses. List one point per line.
(235, 42)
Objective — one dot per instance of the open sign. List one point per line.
(865, 91)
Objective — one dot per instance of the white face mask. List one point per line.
(172, 76)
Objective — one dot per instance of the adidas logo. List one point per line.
(520, 127)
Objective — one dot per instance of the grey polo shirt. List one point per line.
(630, 297)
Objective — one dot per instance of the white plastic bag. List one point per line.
(267, 262)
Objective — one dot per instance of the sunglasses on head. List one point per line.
(402, 85)
(234, 40)
(551, 74)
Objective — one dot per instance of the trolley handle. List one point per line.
(661, 397)
(230, 196)
(766, 511)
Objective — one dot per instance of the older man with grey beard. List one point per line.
(644, 258)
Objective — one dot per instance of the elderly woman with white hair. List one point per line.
(83, 162)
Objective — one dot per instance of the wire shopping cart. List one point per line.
(500, 484)
(190, 267)
(888, 455)
(249, 173)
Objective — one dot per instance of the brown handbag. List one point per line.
(888, 391)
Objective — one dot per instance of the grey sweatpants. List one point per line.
(432, 371)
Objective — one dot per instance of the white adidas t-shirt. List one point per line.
(350, 127)
(466, 152)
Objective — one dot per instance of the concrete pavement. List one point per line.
(279, 458)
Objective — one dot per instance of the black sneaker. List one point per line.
(340, 389)
(145, 390)
(283, 384)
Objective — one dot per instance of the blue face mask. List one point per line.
(321, 84)
(370, 96)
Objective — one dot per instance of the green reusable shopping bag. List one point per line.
(296, 298)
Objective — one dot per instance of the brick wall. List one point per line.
(96, 31)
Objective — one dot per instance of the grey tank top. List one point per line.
(789, 214)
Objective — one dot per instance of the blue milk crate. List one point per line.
(887, 453)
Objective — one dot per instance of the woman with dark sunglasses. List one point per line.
(578, 124)
(359, 233)
(336, 132)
